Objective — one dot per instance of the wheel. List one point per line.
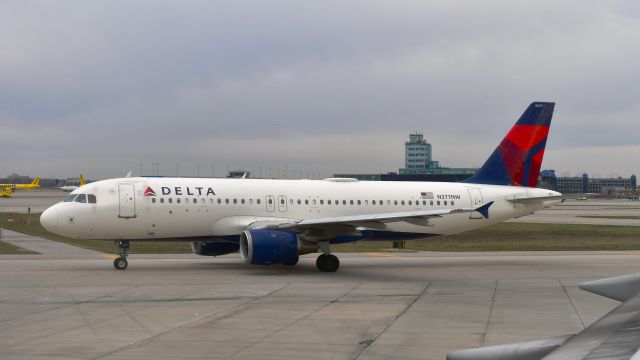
(327, 263)
(120, 263)
(292, 262)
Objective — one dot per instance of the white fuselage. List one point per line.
(186, 209)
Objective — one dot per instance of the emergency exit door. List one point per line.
(127, 201)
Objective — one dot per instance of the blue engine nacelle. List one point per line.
(262, 247)
(214, 248)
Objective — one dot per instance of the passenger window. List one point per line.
(161, 200)
(92, 199)
(235, 201)
(270, 201)
(299, 201)
(388, 202)
(242, 201)
(306, 201)
(344, 202)
(424, 202)
(381, 202)
(258, 201)
(451, 202)
(359, 202)
(438, 202)
(445, 202)
(210, 201)
(395, 202)
(70, 198)
(195, 201)
(337, 202)
(321, 202)
(329, 202)
(170, 200)
(366, 202)
(250, 201)
(153, 200)
(282, 201)
(373, 202)
(402, 202)
(226, 201)
(314, 201)
(219, 201)
(202, 201)
(431, 202)
(178, 200)
(351, 202)
(82, 198)
(409, 202)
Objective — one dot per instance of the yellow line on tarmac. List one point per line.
(110, 257)
(384, 255)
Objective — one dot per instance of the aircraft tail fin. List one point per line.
(82, 182)
(36, 181)
(517, 160)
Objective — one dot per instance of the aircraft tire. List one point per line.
(327, 263)
(120, 263)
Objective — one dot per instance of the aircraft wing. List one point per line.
(364, 220)
(614, 336)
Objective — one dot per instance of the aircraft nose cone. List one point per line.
(48, 220)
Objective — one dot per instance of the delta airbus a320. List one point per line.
(276, 221)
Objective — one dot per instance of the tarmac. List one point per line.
(69, 303)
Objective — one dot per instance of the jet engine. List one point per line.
(216, 247)
(262, 247)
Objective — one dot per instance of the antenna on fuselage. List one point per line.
(128, 174)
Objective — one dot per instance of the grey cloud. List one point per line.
(241, 82)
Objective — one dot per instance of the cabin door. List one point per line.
(127, 201)
(476, 201)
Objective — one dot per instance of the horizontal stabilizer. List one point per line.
(529, 350)
(621, 288)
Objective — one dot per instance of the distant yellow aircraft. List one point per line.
(34, 184)
(6, 190)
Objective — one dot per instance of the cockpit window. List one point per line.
(92, 198)
(82, 198)
(70, 197)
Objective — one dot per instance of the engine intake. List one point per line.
(262, 247)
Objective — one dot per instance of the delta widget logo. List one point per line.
(149, 192)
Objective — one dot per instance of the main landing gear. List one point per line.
(120, 263)
(327, 262)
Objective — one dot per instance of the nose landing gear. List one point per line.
(120, 263)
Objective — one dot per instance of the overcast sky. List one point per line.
(99, 87)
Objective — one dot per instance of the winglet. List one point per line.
(484, 209)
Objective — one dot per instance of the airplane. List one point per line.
(34, 184)
(73, 187)
(614, 336)
(275, 221)
(6, 190)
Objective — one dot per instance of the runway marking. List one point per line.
(384, 255)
